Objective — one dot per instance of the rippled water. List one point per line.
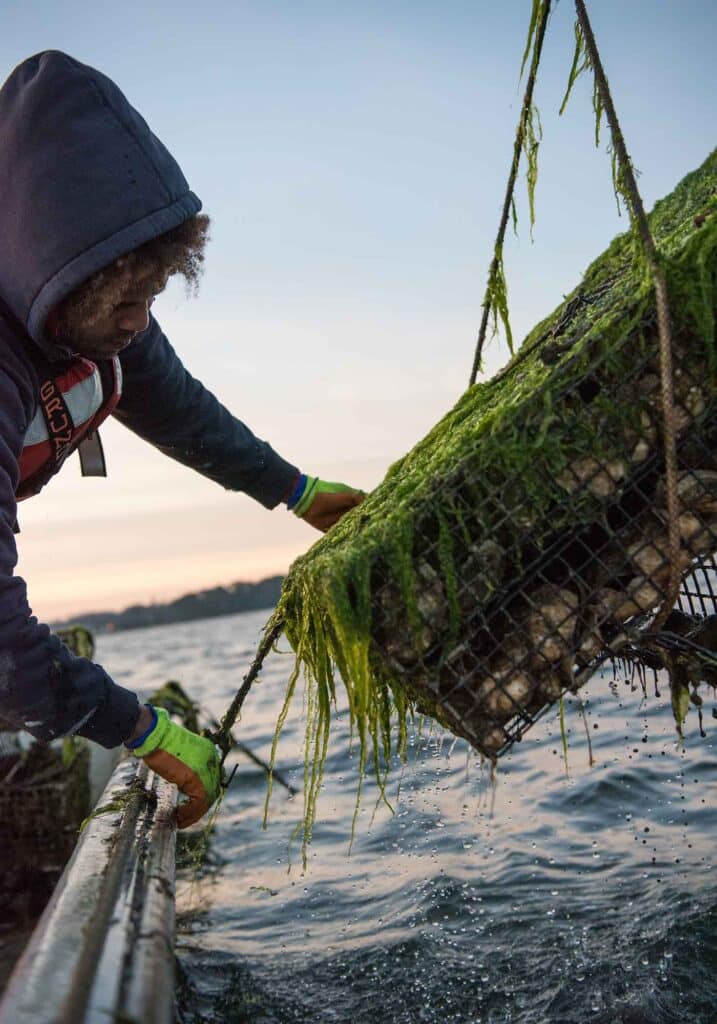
(591, 897)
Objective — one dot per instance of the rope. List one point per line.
(639, 220)
(508, 201)
(222, 736)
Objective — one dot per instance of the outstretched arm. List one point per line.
(172, 410)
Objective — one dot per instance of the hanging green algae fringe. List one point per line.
(505, 444)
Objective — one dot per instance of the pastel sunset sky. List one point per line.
(353, 159)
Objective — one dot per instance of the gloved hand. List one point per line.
(190, 761)
(322, 503)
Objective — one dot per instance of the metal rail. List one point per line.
(103, 949)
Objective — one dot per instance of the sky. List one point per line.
(353, 159)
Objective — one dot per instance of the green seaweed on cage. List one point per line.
(498, 436)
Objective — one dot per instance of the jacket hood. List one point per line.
(83, 181)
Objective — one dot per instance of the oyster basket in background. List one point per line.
(525, 539)
(42, 806)
(44, 790)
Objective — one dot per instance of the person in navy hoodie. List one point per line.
(95, 216)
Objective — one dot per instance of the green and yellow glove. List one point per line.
(322, 503)
(190, 761)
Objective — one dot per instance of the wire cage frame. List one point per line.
(530, 536)
(44, 796)
(541, 606)
(698, 593)
(41, 815)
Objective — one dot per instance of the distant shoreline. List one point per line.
(203, 604)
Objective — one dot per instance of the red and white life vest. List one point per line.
(72, 403)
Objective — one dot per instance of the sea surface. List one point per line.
(544, 896)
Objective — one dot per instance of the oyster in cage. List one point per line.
(499, 560)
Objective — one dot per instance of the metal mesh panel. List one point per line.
(43, 799)
(535, 606)
(698, 596)
(41, 814)
(524, 540)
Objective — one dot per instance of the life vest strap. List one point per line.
(74, 399)
(58, 420)
(92, 456)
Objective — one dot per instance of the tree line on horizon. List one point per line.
(204, 604)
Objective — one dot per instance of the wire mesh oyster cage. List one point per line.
(44, 790)
(43, 801)
(525, 539)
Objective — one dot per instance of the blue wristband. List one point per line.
(140, 739)
(297, 492)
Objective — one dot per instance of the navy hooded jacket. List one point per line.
(83, 181)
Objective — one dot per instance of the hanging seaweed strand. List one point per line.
(532, 138)
(583, 62)
(531, 33)
(563, 734)
(580, 64)
(527, 140)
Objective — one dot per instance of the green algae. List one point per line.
(563, 733)
(531, 143)
(135, 792)
(581, 63)
(80, 641)
(532, 29)
(511, 436)
(176, 701)
(528, 137)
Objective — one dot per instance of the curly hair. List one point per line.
(148, 267)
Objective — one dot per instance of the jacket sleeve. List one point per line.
(166, 406)
(44, 688)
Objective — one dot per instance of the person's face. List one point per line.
(107, 337)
